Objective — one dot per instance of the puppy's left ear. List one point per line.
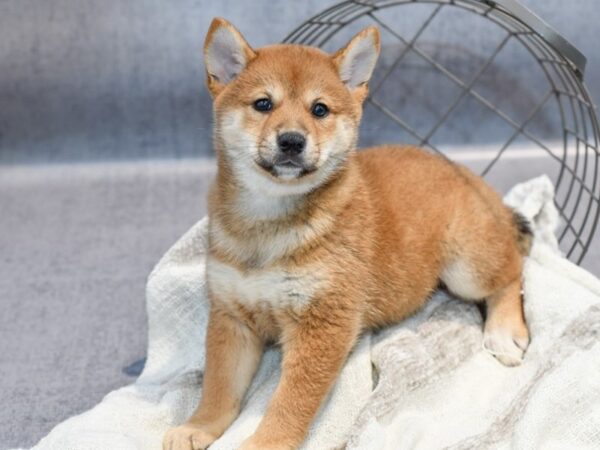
(356, 61)
(226, 54)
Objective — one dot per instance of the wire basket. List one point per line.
(456, 75)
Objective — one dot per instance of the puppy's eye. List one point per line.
(320, 110)
(263, 105)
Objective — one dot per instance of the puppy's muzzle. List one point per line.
(291, 143)
(290, 150)
(290, 156)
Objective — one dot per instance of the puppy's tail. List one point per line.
(524, 233)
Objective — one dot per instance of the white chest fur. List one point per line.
(273, 288)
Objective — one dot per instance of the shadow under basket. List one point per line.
(486, 83)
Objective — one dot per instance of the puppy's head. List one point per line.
(286, 116)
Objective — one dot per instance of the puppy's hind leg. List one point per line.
(506, 335)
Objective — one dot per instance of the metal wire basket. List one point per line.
(460, 74)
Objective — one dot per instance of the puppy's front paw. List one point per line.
(253, 444)
(187, 437)
(506, 347)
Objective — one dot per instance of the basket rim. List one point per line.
(525, 15)
(552, 37)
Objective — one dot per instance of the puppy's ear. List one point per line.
(356, 61)
(226, 54)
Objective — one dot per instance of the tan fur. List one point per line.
(359, 243)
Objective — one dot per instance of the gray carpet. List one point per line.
(76, 245)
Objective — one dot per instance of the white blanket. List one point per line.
(426, 383)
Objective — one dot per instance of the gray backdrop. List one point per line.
(123, 79)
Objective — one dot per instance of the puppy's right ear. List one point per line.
(226, 54)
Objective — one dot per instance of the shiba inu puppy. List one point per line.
(311, 242)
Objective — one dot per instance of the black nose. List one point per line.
(291, 143)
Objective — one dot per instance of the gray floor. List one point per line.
(76, 243)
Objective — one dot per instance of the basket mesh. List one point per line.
(461, 74)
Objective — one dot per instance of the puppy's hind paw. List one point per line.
(507, 349)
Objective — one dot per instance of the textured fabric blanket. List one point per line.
(426, 383)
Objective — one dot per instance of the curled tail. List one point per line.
(524, 233)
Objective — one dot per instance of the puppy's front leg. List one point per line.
(314, 351)
(233, 352)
